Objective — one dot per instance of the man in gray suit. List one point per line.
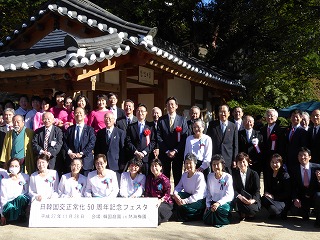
(48, 140)
(224, 136)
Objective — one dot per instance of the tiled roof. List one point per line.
(59, 49)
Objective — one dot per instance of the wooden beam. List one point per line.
(33, 73)
(83, 73)
(123, 85)
(86, 85)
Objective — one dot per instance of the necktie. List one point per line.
(305, 178)
(171, 123)
(291, 134)
(248, 135)
(128, 121)
(141, 129)
(46, 140)
(268, 132)
(223, 127)
(108, 136)
(314, 132)
(77, 139)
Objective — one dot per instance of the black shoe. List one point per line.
(317, 224)
(272, 216)
(284, 216)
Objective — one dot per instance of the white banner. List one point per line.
(94, 212)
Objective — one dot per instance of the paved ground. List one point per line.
(262, 228)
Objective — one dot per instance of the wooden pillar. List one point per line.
(161, 95)
(123, 86)
(193, 94)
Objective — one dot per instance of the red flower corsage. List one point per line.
(147, 132)
(273, 137)
(178, 129)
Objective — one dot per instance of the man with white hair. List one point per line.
(273, 138)
(18, 144)
(250, 142)
(48, 139)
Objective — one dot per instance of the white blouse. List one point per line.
(69, 187)
(46, 187)
(219, 190)
(132, 187)
(102, 187)
(12, 188)
(202, 148)
(196, 186)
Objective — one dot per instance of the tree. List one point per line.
(14, 12)
(273, 45)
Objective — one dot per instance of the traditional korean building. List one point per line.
(77, 47)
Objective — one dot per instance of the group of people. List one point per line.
(110, 152)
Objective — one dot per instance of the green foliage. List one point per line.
(283, 122)
(254, 110)
(273, 45)
(233, 103)
(14, 13)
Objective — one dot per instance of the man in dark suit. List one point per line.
(49, 140)
(112, 105)
(194, 115)
(306, 189)
(295, 138)
(171, 134)
(123, 122)
(8, 114)
(79, 141)
(237, 114)
(250, 142)
(156, 114)
(314, 136)
(110, 141)
(273, 139)
(224, 135)
(140, 138)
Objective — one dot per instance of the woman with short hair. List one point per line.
(96, 117)
(246, 184)
(158, 185)
(219, 194)
(189, 195)
(200, 145)
(44, 182)
(133, 182)
(14, 197)
(277, 189)
(73, 184)
(102, 182)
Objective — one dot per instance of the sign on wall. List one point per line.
(94, 212)
(146, 75)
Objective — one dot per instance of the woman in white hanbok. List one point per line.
(132, 183)
(14, 197)
(44, 182)
(73, 184)
(102, 182)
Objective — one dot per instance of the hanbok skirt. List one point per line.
(222, 216)
(192, 211)
(164, 212)
(16, 208)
